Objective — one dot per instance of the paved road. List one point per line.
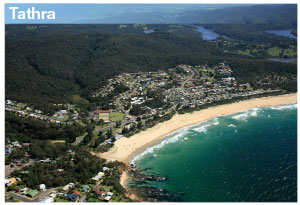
(79, 139)
(121, 106)
(9, 170)
(18, 197)
(188, 79)
(26, 199)
(82, 198)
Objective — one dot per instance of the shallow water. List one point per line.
(248, 156)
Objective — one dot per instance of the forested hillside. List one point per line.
(49, 64)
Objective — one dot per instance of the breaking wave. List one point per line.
(173, 139)
(231, 125)
(283, 107)
(244, 115)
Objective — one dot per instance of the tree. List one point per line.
(109, 133)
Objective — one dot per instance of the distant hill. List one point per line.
(243, 14)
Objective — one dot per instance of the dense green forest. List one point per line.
(27, 129)
(48, 64)
(78, 167)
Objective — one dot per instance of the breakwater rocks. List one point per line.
(140, 183)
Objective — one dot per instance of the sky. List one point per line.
(83, 13)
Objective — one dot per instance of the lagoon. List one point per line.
(207, 34)
(283, 60)
(286, 33)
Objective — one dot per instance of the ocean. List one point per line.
(249, 156)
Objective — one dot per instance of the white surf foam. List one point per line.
(231, 125)
(244, 115)
(202, 128)
(173, 139)
(283, 107)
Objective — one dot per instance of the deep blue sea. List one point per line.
(249, 156)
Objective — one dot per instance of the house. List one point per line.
(72, 197)
(107, 198)
(118, 136)
(42, 187)
(68, 187)
(99, 193)
(16, 144)
(45, 160)
(7, 182)
(98, 176)
(109, 194)
(11, 181)
(76, 192)
(52, 195)
(47, 200)
(17, 189)
(105, 169)
(84, 188)
(24, 191)
(7, 150)
(33, 192)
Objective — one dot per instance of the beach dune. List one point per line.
(125, 148)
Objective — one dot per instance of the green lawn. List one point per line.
(116, 116)
(290, 52)
(78, 99)
(274, 51)
(245, 53)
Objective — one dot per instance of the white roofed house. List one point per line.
(42, 187)
(107, 198)
(98, 176)
(105, 169)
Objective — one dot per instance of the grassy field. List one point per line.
(245, 53)
(78, 99)
(290, 52)
(57, 141)
(116, 116)
(274, 51)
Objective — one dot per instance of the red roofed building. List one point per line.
(76, 192)
(98, 192)
(102, 111)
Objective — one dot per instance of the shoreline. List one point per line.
(125, 148)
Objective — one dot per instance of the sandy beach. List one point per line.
(125, 148)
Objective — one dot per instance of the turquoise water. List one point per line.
(249, 156)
